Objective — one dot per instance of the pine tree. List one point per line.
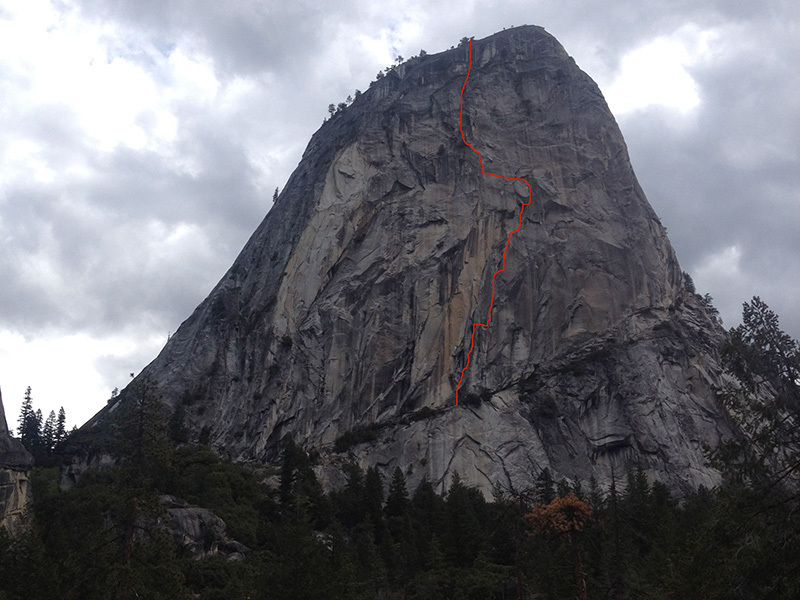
(619, 583)
(427, 509)
(545, 487)
(300, 493)
(49, 433)
(595, 493)
(30, 430)
(373, 502)
(565, 516)
(688, 283)
(177, 425)
(37, 440)
(143, 443)
(766, 362)
(397, 499)
(25, 412)
(351, 506)
(465, 511)
(400, 553)
(61, 424)
(290, 463)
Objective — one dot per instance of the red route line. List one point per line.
(508, 241)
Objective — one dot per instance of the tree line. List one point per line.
(377, 538)
(39, 435)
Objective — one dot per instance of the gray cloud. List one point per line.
(733, 177)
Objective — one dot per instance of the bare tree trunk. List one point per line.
(576, 555)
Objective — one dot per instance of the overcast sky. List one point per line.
(141, 141)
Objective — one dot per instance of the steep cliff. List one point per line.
(347, 315)
(15, 464)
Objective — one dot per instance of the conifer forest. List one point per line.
(285, 537)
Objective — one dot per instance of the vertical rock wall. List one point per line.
(15, 464)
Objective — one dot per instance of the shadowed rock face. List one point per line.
(352, 303)
(15, 463)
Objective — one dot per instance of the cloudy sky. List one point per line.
(141, 141)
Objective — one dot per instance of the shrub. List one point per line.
(471, 400)
(545, 408)
(358, 435)
(426, 412)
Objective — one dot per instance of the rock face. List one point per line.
(15, 464)
(199, 530)
(349, 310)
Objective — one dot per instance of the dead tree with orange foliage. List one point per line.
(565, 516)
